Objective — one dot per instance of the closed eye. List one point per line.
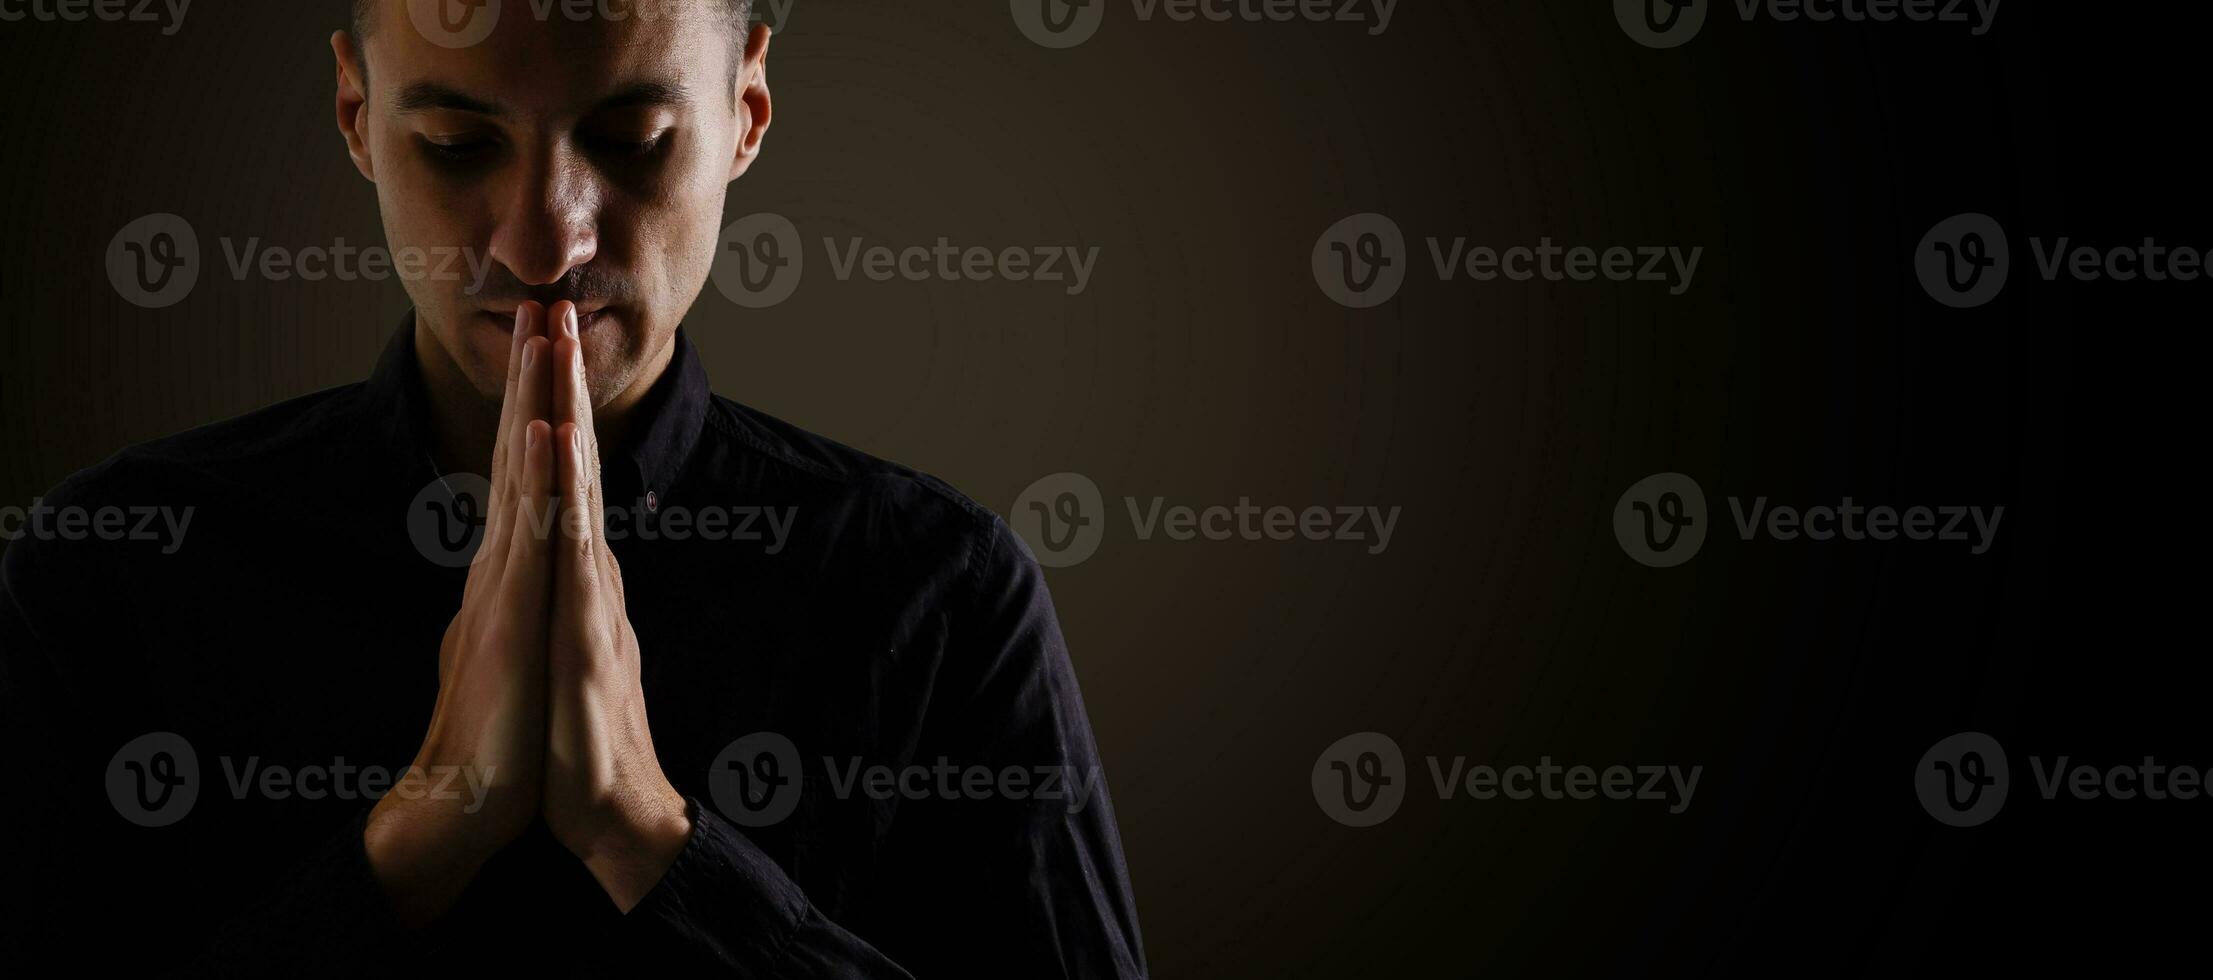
(462, 149)
(622, 147)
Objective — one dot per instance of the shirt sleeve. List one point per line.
(725, 905)
(85, 883)
(1025, 881)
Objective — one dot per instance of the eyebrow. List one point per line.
(426, 96)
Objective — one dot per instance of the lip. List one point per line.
(586, 319)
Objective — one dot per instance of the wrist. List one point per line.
(420, 858)
(634, 847)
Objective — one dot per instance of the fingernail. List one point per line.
(568, 323)
(531, 436)
(530, 353)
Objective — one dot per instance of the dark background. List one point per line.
(1204, 365)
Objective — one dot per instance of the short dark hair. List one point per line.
(741, 12)
(741, 15)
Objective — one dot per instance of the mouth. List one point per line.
(587, 317)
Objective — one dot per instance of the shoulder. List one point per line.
(256, 460)
(247, 450)
(886, 507)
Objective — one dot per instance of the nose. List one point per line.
(549, 218)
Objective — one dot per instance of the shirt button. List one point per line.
(652, 502)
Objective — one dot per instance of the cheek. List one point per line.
(667, 250)
(437, 255)
(424, 208)
(689, 238)
(612, 362)
(687, 222)
(420, 216)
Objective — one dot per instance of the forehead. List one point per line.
(549, 57)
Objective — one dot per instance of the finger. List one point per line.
(515, 340)
(520, 406)
(576, 561)
(573, 404)
(532, 517)
(506, 439)
(529, 576)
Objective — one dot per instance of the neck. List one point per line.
(464, 424)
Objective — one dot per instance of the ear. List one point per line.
(754, 108)
(353, 102)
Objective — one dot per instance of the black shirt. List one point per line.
(196, 718)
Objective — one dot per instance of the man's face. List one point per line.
(584, 159)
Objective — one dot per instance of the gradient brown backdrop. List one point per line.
(1204, 365)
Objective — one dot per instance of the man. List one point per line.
(866, 754)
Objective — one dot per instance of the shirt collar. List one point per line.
(670, 418)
